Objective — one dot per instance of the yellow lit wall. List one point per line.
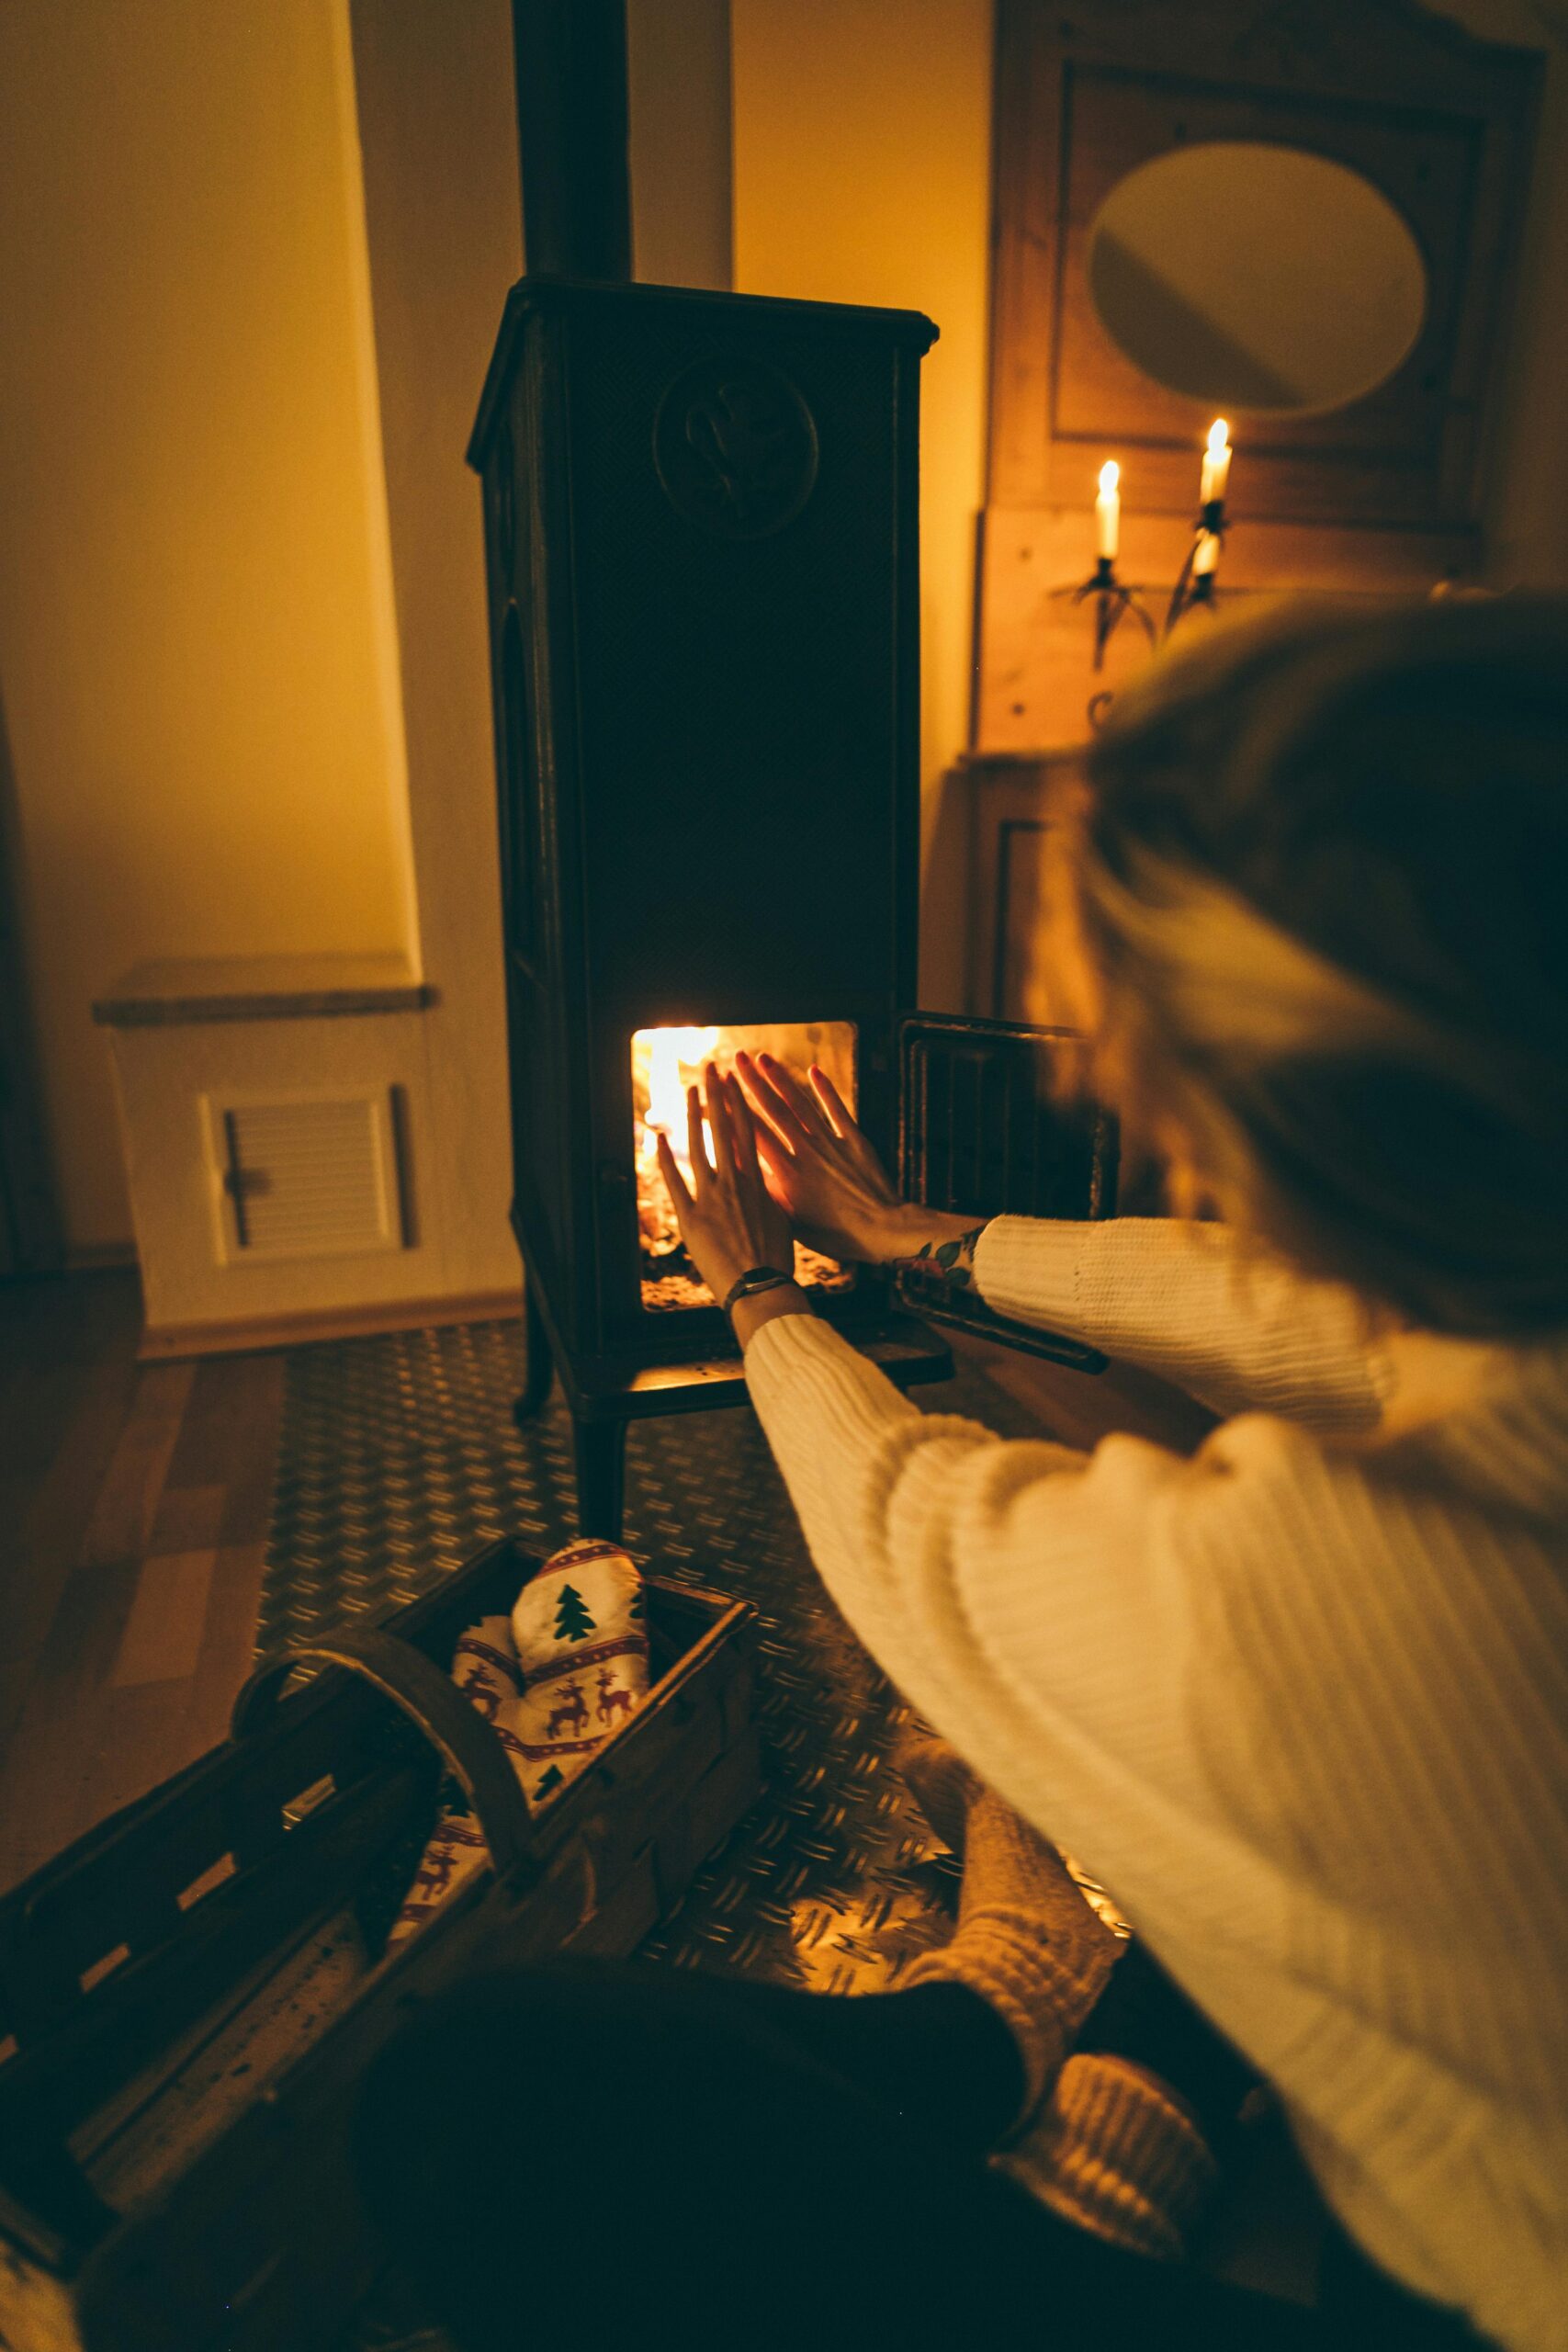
(861, 163)
(196, 647)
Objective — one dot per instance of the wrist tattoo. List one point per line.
(945, 1265)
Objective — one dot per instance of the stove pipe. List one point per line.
(571, 63)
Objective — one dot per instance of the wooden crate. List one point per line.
(188, 1993)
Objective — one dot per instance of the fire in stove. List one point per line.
(664, 1063)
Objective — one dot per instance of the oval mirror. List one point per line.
(1254, 277)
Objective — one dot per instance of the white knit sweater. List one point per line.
(1301, 1702)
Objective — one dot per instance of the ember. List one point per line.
(664, 1063)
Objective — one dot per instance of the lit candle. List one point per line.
(1216, 464)
(1107, 511)
(1206, 555)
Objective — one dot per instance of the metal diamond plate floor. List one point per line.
(399, 1459)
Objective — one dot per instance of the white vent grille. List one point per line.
(305, 1176)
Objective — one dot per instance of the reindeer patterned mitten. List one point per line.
(581, 1637)
(554, 1681)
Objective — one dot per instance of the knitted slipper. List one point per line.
(1027, 1940)
(1115, 2151)
(941, 1783)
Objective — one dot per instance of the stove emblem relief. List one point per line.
(735, 446)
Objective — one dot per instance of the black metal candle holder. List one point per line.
(1194, 587)
(1113, 598)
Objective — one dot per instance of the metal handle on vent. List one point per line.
(432, 1703)
(965, 1312)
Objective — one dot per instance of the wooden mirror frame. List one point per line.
(1442, 124)
(1383, 494)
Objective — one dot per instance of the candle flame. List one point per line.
(1109, 475)
(1219, 432)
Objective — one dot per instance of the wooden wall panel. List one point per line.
(1037, 677)
(1441, 123)
(1010, 966)
(1379, 497)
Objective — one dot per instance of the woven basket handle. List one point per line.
(472, 1752)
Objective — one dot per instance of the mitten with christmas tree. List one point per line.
(555, 1679)
(580, 1635)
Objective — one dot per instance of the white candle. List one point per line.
(1107, 511)
(1216, 464)
(1206, 555)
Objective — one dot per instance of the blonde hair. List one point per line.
(1322, 873)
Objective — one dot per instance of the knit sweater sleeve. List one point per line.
(1236, 1327)
(1020, 1594)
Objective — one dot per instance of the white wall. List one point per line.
(679, 104)
(437, 120)
(197, 656)
(863, 175)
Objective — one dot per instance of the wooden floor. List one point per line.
(133, 1517)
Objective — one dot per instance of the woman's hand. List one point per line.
(728, 1221)
(819, 1168)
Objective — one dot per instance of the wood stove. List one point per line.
(700, 516)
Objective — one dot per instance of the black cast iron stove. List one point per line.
(701, 527)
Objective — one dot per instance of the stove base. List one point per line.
(601, 1405)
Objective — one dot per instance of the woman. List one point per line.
(1299, 1701)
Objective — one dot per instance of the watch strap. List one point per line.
(755, 1279)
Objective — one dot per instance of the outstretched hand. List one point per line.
(821, 1170)
(729, 1220)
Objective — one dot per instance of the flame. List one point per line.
(1219, 432)
(675, 1057)
(1109, 475)
(664, 1062)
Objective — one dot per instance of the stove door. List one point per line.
(980, 1133)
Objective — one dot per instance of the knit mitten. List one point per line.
(554, 1679)
(1026, 1941)
(485, 1669)
(1114, 2150)
(581, 1633)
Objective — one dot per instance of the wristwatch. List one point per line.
(755, 1280)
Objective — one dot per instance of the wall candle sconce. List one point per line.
(1112, 597)
(1195, 581)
